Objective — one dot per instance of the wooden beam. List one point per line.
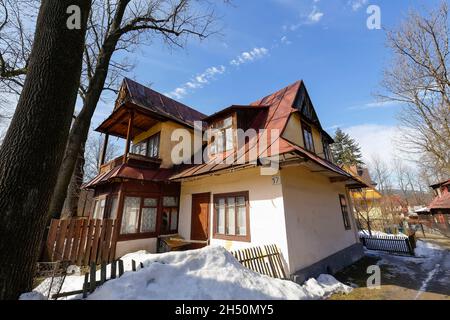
(103, 154)
(129, 133)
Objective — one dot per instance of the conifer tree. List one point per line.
(346, 151)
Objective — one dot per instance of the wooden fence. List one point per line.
(265, 260)
(82, 241)
(391, 244)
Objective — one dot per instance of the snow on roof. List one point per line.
(209, 273)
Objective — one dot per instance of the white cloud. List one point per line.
(202, 79)
(196, 82)
(249, 56)
(357, 4)
(285, 40)
(376, 105)
(315, 15)
(378, 140)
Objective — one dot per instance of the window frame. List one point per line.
(98, 200)
(138, 234)
(345, 213)
(326, 149)
(236, 237)
(220, 131)
(307, 128)
(157, 137)
(177, 207)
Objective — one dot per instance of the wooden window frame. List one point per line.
(147, 145)
(177, 206)
(97, 200)
(307, 128)
(138, 234)
(223, 131)
(108, 205)
(216, 235)
(345, 213)
(326, 150)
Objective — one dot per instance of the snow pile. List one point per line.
(427, 250)
(209, 273)
(365, 233)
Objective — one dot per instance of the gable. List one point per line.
(304, 104)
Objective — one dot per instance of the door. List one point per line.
(200, 217)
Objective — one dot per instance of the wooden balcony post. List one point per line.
(129, 133)
(103, 153)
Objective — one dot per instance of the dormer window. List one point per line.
(222, 135)
(326, 150)
(308, 137)
(148, 147)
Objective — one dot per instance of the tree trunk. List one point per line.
(73, 192)
(80, 128)
(33, 148)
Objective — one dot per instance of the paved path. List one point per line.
(426, 276)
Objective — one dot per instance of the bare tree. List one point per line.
(122, 25)
(418, 77)
(17, 18)
(31, 153)
(93, 150)
(364, 204)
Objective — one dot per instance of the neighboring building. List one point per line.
(367, 202)
(304, 208)
(438, 213)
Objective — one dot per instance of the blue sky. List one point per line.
(268, 44)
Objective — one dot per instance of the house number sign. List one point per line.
(276, 180)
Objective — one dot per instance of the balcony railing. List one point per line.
(132, 159)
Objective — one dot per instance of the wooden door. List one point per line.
(200, 217)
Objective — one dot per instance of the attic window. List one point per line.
(308, 137)
(326, 150)
(222, 135)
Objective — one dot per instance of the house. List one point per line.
(366, 201)
(270, 182)
(438, 213)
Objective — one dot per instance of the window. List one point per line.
(222, 138)
(148, 147)
(308, 137)
(139, 215)
(169, 222)
(99, 208)
(113, 207)
(231, 216)
(326, 150)
(344, 209)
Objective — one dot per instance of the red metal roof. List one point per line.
(442, 202)
(280, 106)
(159, 103)
(125, 171)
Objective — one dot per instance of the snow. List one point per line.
(426, 249)
(365, 233)
(209, 273)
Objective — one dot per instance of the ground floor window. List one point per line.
(105, 207)
(169, 222)
(344, 209)
(99, 208)
(231, 216)
(139, 215)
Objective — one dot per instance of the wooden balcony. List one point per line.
(135, 160)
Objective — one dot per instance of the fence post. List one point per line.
(92, 277)
(409, 246)
(363, 240)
